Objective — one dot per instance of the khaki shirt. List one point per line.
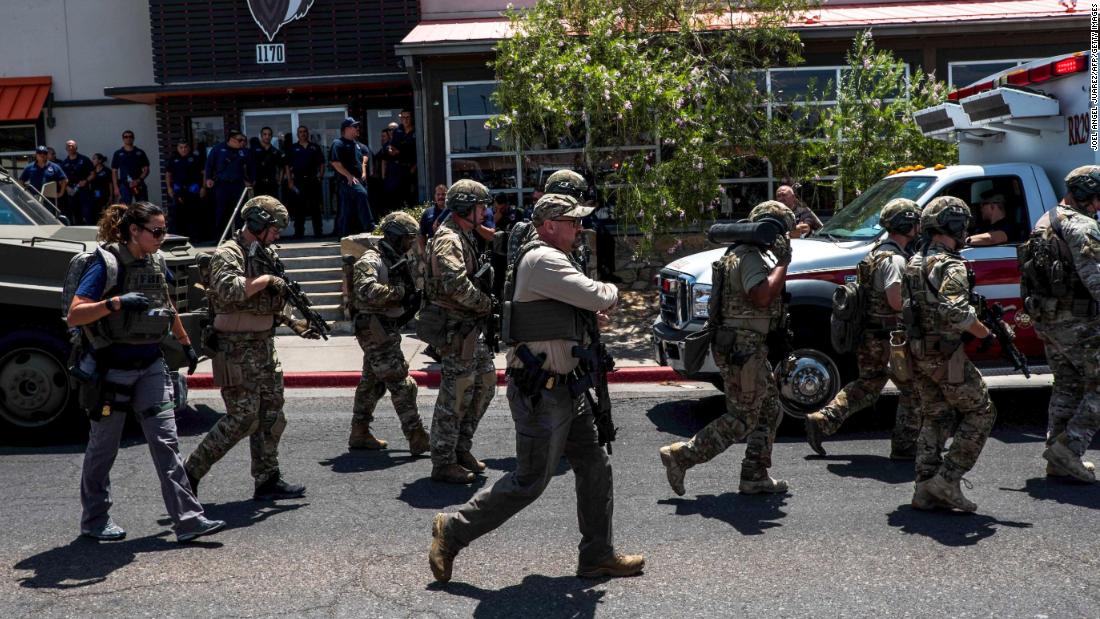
(547, 273)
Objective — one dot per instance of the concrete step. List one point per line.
(322, 285)
(314, 275)
(339, 327)
(326, 298)
(313, 262)
(299, 250)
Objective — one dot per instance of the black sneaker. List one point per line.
(109, 532)
(204, 527)
(276, 488)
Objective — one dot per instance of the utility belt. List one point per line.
(879, 327)
(762, 325)
(363, 320)
(532, 378)
(939, 344)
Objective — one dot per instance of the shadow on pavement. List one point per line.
(750, 515)
(1067, 491)
(427, 494)
(1012, 434)
(688, 416)
(245, 513)
(195, 420)
(360, 461)
(536, 595)
(949, 528)
(84, 562)
(864, 466)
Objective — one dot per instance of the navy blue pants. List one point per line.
(354, 216)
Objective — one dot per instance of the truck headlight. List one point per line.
(700, 300)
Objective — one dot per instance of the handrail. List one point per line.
(229, 224)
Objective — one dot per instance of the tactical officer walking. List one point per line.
(129, 167)
(747, 306)
(879, 274)
(1060, 283)
(952, 392)
(227, 174)
(124, 309)
(247, 301)
(552, 302)
(455, 316)
(385, 298)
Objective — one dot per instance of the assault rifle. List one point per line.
(597, 363)
(483, 279)
(992, 316)
(294, 294)
(411, 301)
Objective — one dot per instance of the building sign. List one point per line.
(271, 15)
(270, 53)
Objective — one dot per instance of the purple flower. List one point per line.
(628, 105)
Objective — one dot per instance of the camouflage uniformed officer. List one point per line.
(551, 310)
(1061, 289)
(952, 392)
(879, 273)
(459, 307)
(748, 286)
(247, 301)
(383, 292)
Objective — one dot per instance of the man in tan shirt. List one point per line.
(547, 313)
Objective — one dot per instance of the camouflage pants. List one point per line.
(1073, 351)
(752, 409)
(467, 385)
(253, 408)
(384, 368)
(961, 410)
(872, 357)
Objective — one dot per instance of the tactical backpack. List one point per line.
(849, 308)
(1046, 263)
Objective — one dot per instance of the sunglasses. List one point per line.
(156, 232)
(576, 222)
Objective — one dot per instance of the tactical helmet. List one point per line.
(899, 215)
(1084, 182)
(775, 211)
(464, 196)
(263, 211)
(946, 215)
(567, 182)
(398, 223)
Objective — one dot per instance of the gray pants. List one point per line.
(152, 403)
(558, 424)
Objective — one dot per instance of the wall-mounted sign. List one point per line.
(270, 53)
(271, 15)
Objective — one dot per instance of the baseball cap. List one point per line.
(42, 149)
(556, 206)
(349, 122)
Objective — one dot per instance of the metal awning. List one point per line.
(22, 98)
(311, 83)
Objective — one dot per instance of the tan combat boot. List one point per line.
(768, 485)
(361, 438)
(1061, 456)
(923, 500)
(615, 566)
(419, 441)
(815, 431)
(440, 558)
(452, 474)
(949, 493)
(1053, 470)
(673, 468)
(469, 462)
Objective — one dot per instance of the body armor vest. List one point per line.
(877, 305)
(545, 319)
(737, 309)
(146, 276)
(923, 275)
(1049, 282)
(433, 286)
(264, 302)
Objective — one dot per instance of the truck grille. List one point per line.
(675, 289)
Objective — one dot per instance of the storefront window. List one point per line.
(17, 143)
(206, 131)
(965, 73)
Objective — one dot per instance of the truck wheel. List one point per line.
(34, 382)
(806, 380)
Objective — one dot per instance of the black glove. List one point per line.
(192, 359)
(133, 301)
(782, 250)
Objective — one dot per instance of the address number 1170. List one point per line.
(270, 53)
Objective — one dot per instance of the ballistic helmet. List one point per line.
(464, 196)
(775, 211)
(946, 215)
(263, 211)
(398, 223)
(567, 182)
(899, 215)
(1084, 182)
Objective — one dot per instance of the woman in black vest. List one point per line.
(123, 307)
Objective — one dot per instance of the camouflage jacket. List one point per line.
(741, 270)
(452, 262)
(938, 283)
(230, 266)
(1081, 234)
(373, 291)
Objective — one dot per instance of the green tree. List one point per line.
(610, 74)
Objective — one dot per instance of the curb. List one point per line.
(349, 380)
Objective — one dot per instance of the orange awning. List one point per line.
(22, 98)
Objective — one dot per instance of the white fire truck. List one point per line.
(1019, 132)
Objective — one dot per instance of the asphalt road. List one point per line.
(844, 542)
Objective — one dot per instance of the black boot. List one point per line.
(276, 488)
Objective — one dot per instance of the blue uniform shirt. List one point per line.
(77, 168)
(305, 160)
(265, 163)
(129, 163)
(186, 173)
(37, 177)
(350, 154)
(227, 164)
(91, 286)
